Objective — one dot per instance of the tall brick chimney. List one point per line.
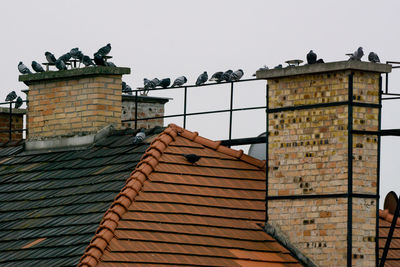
(73, 102)
(323, 155)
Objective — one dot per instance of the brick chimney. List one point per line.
(73, 102)
(323, 155)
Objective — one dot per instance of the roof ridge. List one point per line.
(387, 216)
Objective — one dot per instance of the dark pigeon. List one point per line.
(373, 57)
(217, 77)
(357, 55)
(23, 69)
(37, 67)
(60, 65)
(156, 82)
(226, 75)
(149, 84)
(202, 78)
(311, 57)
(50, 58)
(99, 60)
(139, 137)
(110, 64)
(75, 53)
(104, 50)
(179, 81)
(126, 88)
(11, 96)
(262, 68)
(192, 158)
(319, 61)
(18, 102)
(87, 61)
(164, 83)
(278, 66)
(236, 76)
(65, 57)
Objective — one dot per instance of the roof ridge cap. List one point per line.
(133, 185)
(216, 145)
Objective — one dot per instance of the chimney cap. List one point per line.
(324, 68)
(72, 73)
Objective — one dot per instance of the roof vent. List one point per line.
(391, 200)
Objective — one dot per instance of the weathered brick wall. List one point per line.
(308, 154)
(17, 121)
(73, 106)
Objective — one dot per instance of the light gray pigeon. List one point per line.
(202, 78)
(149, 84)
(65, 57)
(311, 57)
(37, 67)
(60, 65)
(262, 68)
(18, 102)
(373, 57)
(126, 88)
(226, 75)
(23, 69)
(139, 137)
(236, 76)
(217, 77)
(87, 61)
(11, 96)
(357, 55)
(179, 81)
(104, 50)
(50, 58)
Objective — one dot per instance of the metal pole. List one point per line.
(230, 114)
(10, 137)
(266, 153)
(184, 107)
(350, 172)
(378, 175)
(387, 83)
(136, 108)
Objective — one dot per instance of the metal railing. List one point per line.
(10, 112)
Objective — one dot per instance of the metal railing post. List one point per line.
(184, 107)
(231, 114)
(136, 108)
(10, 137)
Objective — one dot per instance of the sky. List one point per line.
(176, 37)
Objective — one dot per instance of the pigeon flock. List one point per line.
(13, 96)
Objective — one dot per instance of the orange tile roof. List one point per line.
(173, 212)
(385, 221)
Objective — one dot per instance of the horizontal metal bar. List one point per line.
(391, 98)
(391, 94)
(243, 141)
(322, 105)
(8, 103)
(343, 195)
(385, 132)
(16, 130)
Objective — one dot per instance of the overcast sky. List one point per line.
(174, 38)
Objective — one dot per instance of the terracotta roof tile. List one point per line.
(393, 256)
(174, 212)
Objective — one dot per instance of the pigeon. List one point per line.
(149, 84)
(50, 58)
(217, 77)
(226, 75)
(104, 50)
(164, 83)
(11, 96)
(311, 57)
(110, 64)
(156, 82)
(75, 52)
(235, 76)
(139, 137)
(65, 57)
(18, 102)
(357, 55)
(126, 88)
(23, 69)
(262, 68)
(320, 61)
(99, 60)
(60, 65)
(87, 61)
(373, 57)
(192, 158)
(202, 78)
(179, 81)
(37, 67)
(278, 66)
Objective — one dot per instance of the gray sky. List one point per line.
(174, 38)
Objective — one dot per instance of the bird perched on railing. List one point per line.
(164, 83)
(104, 50)
(139, 137)
(87, 61)
(192, 158)
(311, 57)
(99, 60)
(18, 102)
(217, 77)
(202, 78)
(357, 55)
(50, 58)
(236, 75)
(23, 69)
(37, 67)
(11, 96)
(373, 57)
(226, 75)
(60, 65)
(65, 57)
(126, 88)
(181, 80)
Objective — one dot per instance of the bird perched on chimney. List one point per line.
(235, 76)
(50, 58)
(164, 83)
(104, 50)
(110, 64)
(99, 60)
(37, 67)
(202, 78)
(87, 61)
(311, 57)
(75, 52)
(192, 158)
(262, 68)
(11, 96)
(60, 65)
(278, 67)
(126, 88)
(139, 137)
(217, 77)
(18, 102)
(373, 57)
(65, 57)
(179, 81)
(357, 55)
(226, 75)
(319, 61)
(23, 69)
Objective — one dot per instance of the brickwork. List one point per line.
(17, 122)
(308, 154)
(73, 106)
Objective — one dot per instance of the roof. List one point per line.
(173, 212)
(385, 221)
(51, 202)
